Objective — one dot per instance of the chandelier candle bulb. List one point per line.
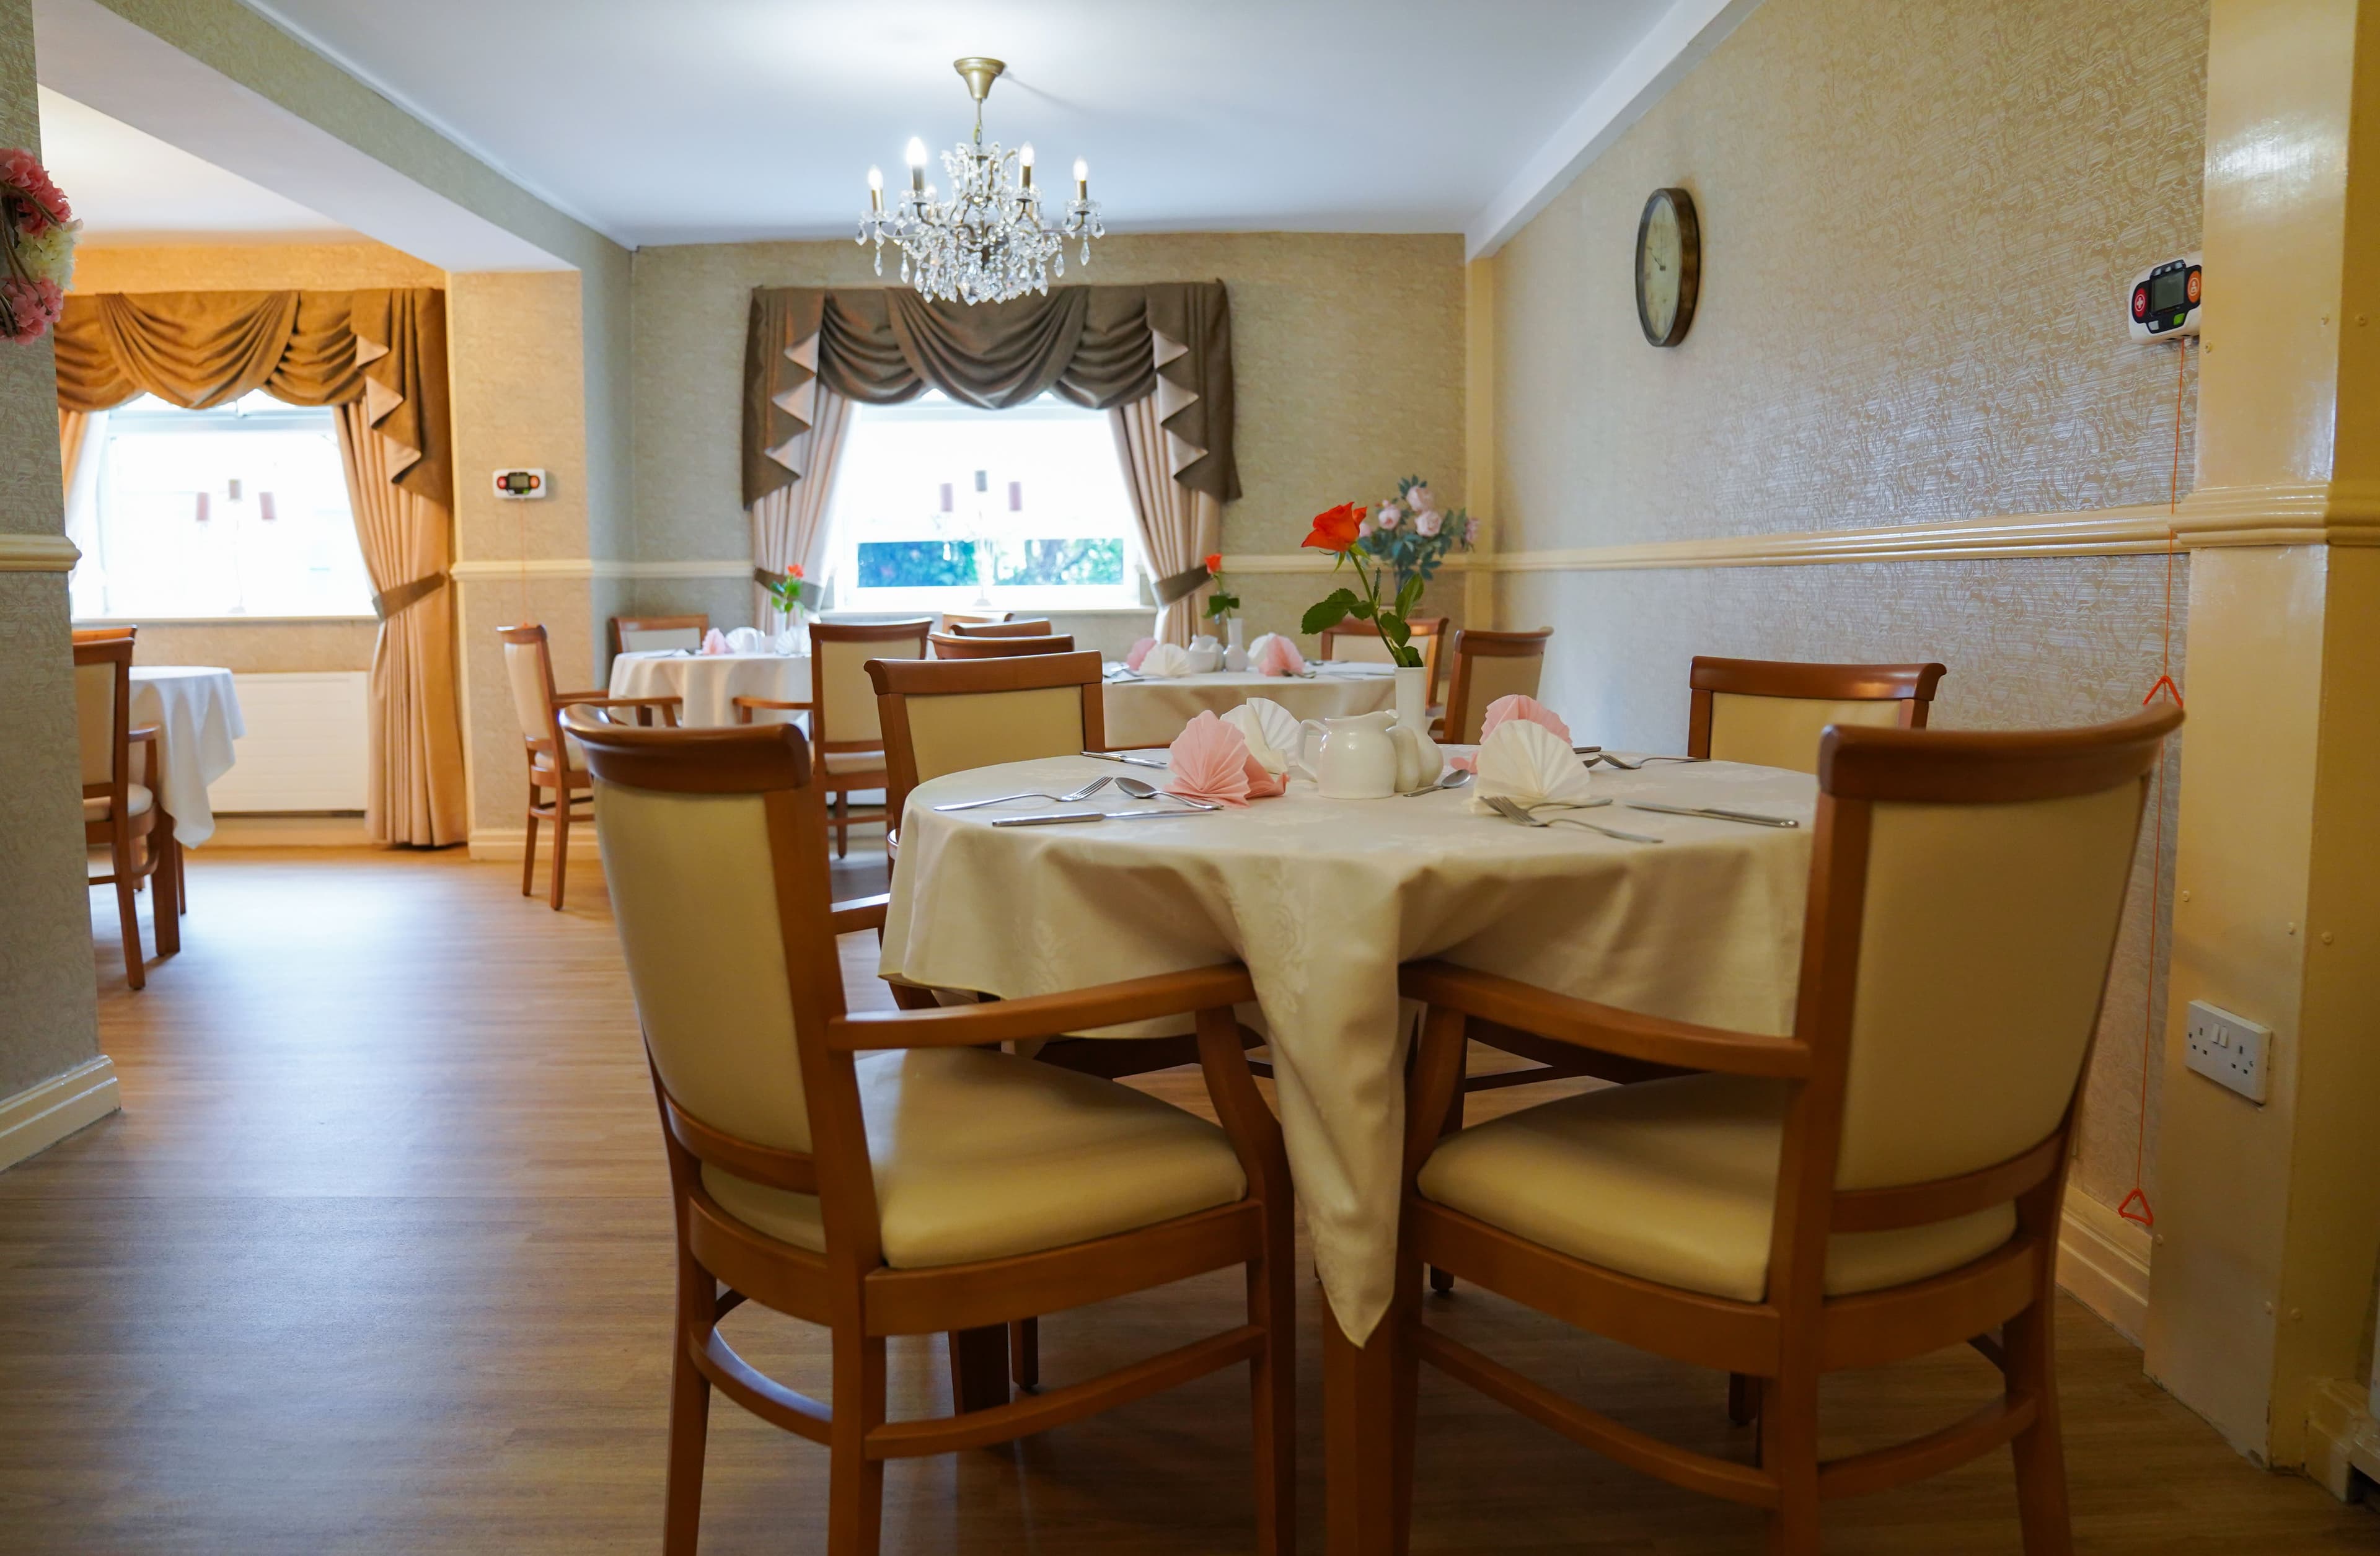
(1082, 179)
(916, 164)
(875, 188)
(1024, 161)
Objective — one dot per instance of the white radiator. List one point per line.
(305, 745)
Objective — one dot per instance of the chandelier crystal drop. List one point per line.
(989, 242)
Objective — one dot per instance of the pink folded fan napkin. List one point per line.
(1274, 654)
(1211, 760)
(714, 642)
(1139, 651)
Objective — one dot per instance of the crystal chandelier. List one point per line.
(988, 242)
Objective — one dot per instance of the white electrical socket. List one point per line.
(2228, 1050)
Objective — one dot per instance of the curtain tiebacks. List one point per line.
(406, 595)
(1181, 584)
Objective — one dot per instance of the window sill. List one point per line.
(82, 622)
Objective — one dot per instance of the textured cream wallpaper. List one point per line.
(1347, 352)
(1917, 218)
(47, 1023)
(242, 267)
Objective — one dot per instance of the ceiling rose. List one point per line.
(988, 242)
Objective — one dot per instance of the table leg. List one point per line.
(1367, 1416)
(979, 1369)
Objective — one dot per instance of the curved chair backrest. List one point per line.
(948, 647)
(657, 634)
(841, 697)
(951, 622)
(720, 898)
(528, 670)
(102, 684)
(1771, 712)
(942, 715)
(1964, 907)
(104, 634)
(1038, 627)
(1489, 665)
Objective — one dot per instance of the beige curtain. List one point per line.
(1179, 524)
(72, 425)
(416, 793)
(789, 524)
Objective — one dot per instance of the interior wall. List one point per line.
(48, 1021)
(1919, 223)
(1347, 354)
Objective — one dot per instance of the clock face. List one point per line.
(1669, 266)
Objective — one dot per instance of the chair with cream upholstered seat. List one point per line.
(890, 1174)
(637, 635)
(118, 809)
(1489, 665)
(1006, 627)
(845, 733)
(947, 646)
(1771, 712)
(557, 779)
(1883, 1182)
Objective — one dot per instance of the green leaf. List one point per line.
(1361, 610)
(1324, 613)
(1410, 594)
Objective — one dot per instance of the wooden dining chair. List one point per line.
(120, 812)
(949, 647)
(558, 778)
(845, 729)
(1004, 627)
(1771, 712)
(952, 621)
(1360, 642)
(1489, 665)
(889, 1174)
(104, 634)
(658, 634)
(1883, 1182)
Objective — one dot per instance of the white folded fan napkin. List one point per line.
(1165, 661)
(747, 640)
(1529, 763)
(1271, 729)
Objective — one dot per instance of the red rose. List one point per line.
(1336, 528)
(1215, 562)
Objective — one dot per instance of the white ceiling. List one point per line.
(718, 120)
(126, 186)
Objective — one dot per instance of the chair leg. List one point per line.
(181, 878)
(1272, 1382)
(690, 1427)
(560, 843)
(1024, 1353)
(528, 849)
(841, 823)
(855, 1500)
(979, 1369)
(1743, 1398)
(1442, 1281)
(2031, 1348)
(127, 907)
(1789, 1450)
(167, 867)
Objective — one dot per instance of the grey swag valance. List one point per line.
(1099, 347)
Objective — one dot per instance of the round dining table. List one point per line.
(1148, 711)
(708, 685)
(195, 711)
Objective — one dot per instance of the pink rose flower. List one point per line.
(1469, 531)
(1420, 498)
(1388, 515)
(1428, 522)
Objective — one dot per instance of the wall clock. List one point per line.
(1669, 266)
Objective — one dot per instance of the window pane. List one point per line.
(241, 510)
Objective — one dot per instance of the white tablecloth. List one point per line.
(1151, 712)
(196, 715)
(1323, 898)
(711, 683)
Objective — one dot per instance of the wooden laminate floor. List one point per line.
(377, 1258)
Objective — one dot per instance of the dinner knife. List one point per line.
(1714, 813)
(1131, 761)
(1063, 818)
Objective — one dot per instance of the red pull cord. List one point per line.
(2145, 1215)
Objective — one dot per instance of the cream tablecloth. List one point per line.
(196, 715)
(711, 683)
(1322, 899)
(1151, 712)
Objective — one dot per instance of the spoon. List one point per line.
(1454, 780)
(1139, 790)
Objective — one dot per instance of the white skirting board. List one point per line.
(2103, 1260)
(501, 845)
(43, 1114)
(306, 748)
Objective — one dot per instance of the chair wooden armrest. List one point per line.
(859, 912)
(746, 706)
(1045, 1015)
(1585, 1024)
(670, 706)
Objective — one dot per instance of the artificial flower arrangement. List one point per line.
(1223, 603)
(37, 239)
(1341, 531)
(1412, 534)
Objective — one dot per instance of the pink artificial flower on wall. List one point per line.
(1428, 521)
(1421, 500)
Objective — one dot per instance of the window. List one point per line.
(237, 511)
(941, 506)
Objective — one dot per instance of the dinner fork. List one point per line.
(1626, 766)
(1083, 793)
(1513, 811)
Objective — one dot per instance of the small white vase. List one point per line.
(1235, 653)
(1419, 762)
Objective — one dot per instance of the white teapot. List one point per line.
(1356, 759)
